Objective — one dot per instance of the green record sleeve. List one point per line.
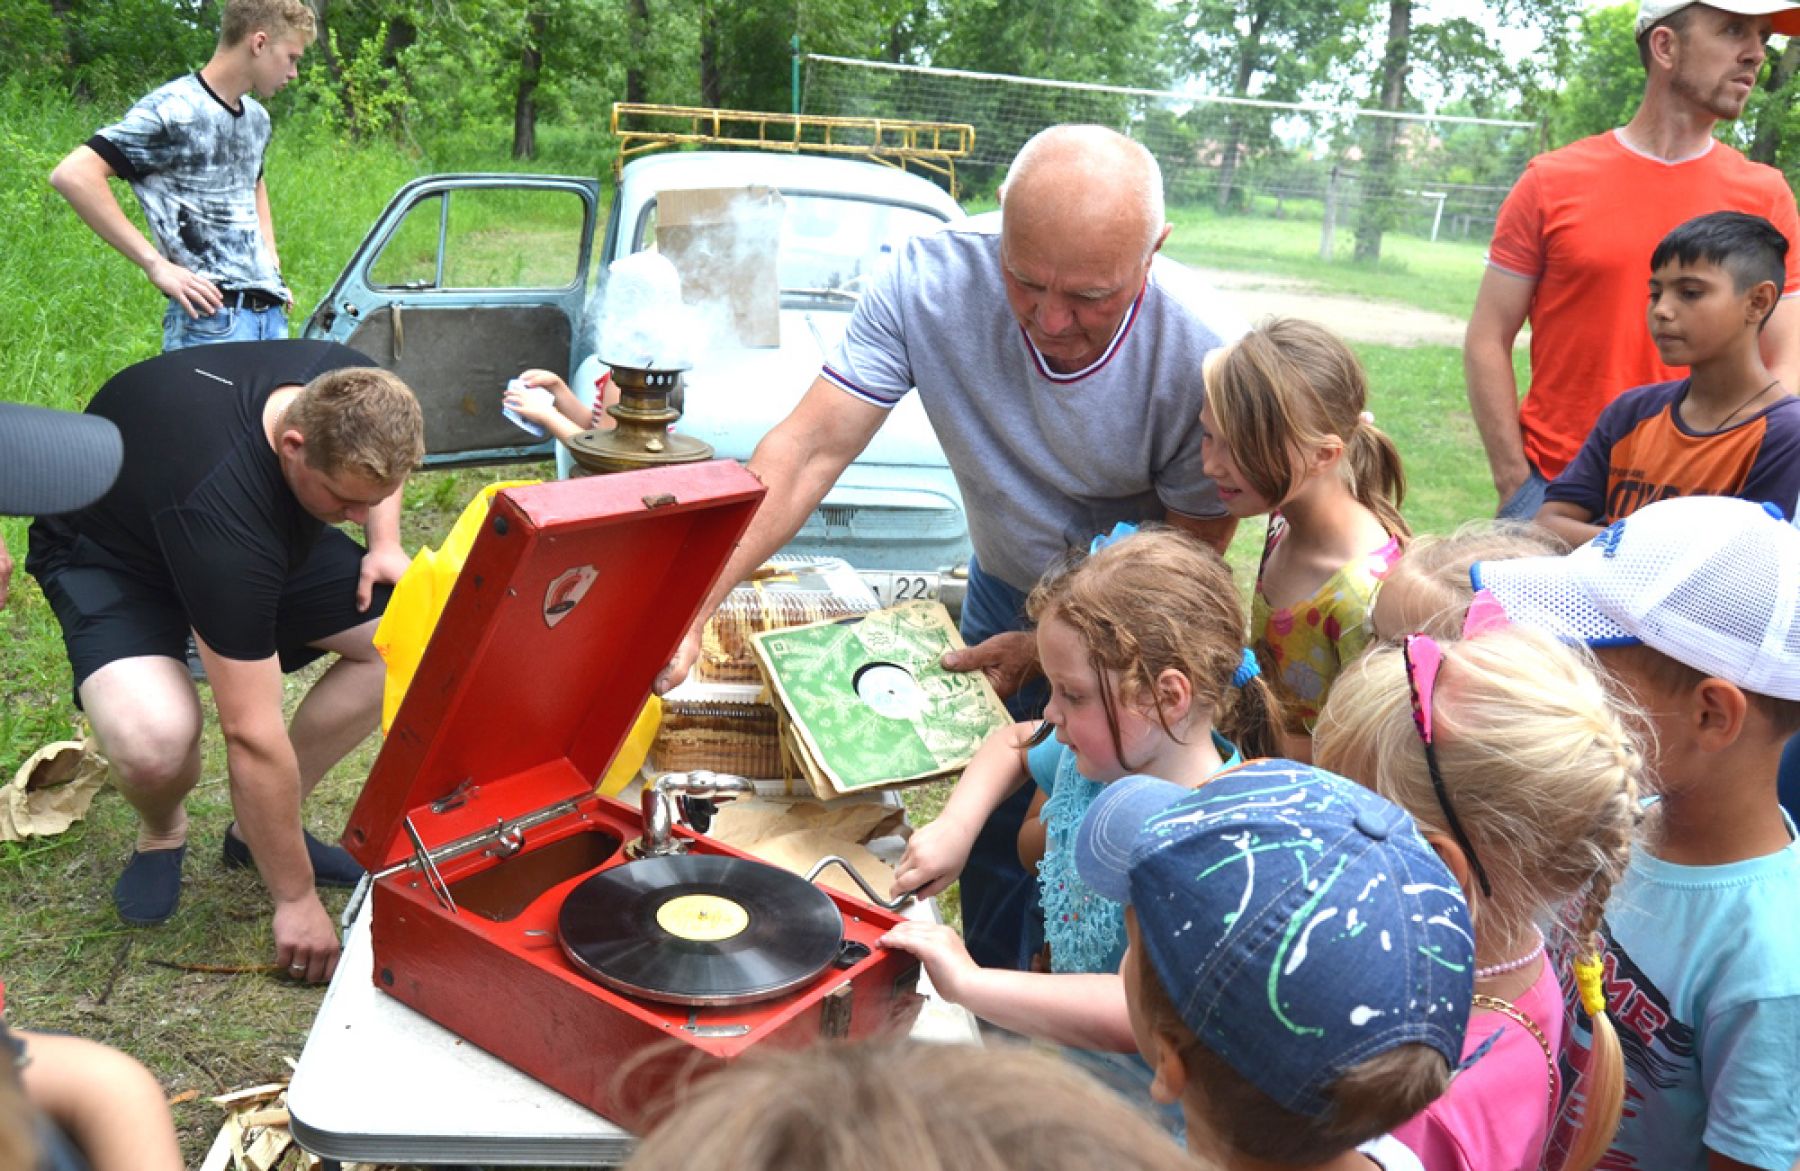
(869, 700)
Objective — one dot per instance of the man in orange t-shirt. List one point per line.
(1572, 246)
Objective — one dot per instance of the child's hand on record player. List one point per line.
(934, 856)
(947, 961)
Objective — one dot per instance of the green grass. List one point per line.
(69, 964)
(1440, 275)
(1413, 270)
(72, 312)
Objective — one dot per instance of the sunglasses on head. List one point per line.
(1423, 657)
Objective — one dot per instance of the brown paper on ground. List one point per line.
(800, 851)
(742, 822)
(795, 836)
(724, 241)
(51, 791)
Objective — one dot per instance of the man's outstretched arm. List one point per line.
(386, 560)
(265, 223)
(798, 461)
(265, 796)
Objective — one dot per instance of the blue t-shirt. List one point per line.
(1703, 987)
(1640, 451)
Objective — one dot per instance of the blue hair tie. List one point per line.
(1119, 532)
(1247, 670)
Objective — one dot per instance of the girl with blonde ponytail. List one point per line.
(1512, 756)
(1285, 430)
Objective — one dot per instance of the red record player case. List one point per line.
(572, 599)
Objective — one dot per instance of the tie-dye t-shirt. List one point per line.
(193, 162)
(1303, 647)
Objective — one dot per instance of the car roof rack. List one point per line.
(897, 142)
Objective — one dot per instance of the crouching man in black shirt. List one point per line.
(238, 459)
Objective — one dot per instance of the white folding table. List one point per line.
(378, 1082)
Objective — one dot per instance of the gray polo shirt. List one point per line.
(1044, 460)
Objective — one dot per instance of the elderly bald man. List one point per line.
(1058, 357)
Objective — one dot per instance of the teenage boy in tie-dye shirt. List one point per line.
(193, 154)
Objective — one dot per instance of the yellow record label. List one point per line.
(702, 918)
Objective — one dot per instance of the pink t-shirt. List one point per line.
(1496, 1114)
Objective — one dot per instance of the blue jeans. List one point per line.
(1524, 503)
(1003, 923)
(229, 324)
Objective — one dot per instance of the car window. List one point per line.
(484, 238)
(829, 245)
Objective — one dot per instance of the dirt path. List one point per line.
(1259, 295)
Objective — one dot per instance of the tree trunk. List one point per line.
(324, 48)
(710, 83)
(1766, 144)
(401, 34)
(638, 28)
(1249, 50)
(62, 10)
(531, 64)
(1378, 173)
(334, 68)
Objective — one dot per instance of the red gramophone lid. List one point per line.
(575, 595)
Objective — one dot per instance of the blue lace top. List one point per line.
(1086, 931)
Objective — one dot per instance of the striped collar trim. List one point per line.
(1106, 355)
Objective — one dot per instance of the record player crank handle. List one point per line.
(856, 876)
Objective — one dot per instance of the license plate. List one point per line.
(894, 588)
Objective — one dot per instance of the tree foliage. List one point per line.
(103, 50)
(1420, 50)
(1270, 49)
(461, 78)
(1604, 77)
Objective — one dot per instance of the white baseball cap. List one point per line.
(1711, 581)
(1787, 15)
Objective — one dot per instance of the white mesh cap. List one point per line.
(1782, 12)
(1710, 581)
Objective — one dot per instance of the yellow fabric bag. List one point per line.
(412, 615)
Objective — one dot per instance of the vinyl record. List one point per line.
(890, 690)
(699, 929)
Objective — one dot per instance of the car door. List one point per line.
(463, 282)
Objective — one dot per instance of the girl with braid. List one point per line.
(1511, 755)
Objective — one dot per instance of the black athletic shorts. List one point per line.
(108, 613)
